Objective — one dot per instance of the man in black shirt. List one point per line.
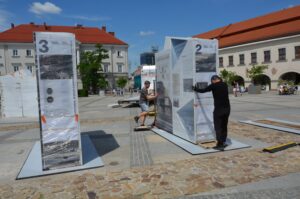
(144, 103)
(222, 108)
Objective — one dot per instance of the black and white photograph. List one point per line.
(205, 62)
(187, 85)
(56, 66)
(201, 85)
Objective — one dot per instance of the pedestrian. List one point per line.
(296, 89)
(131, 91)
(235, 88)
(222, 108)
(144, 103)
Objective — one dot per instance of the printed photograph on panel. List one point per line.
(56, 67)
(164, 108)
(175, 83)
(187, 85)
(61, 154)
(201, 85)
(175, 102)
(205, 62)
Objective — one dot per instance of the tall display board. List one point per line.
(185, 62)
(58, 100)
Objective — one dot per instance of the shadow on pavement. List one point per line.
(103, 142)
(132, 105)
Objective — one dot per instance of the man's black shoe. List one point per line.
(220, 147)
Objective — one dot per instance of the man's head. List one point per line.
(147, 84)
(215, 78)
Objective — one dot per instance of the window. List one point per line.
(29, 67)
(242, 59)
(105, 67)
(230, 60)
(120, 68)
(16, 68)
(267, 56)
(119, 54)
(28, 53)
(281, 54)
(1, 65)
(253, 58)
(297, 52)
(221, 62)
(15, 52)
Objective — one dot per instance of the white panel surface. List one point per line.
(183, 63)
(58, 101)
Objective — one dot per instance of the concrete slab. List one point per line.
(196, 149)
(283, 121)
(284, 129)
(33, 164)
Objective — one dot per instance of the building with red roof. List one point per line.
(17, 49)
(272, 39)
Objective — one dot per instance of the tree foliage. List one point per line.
(102, 83)
(121, 82)
(90, 68)
(256, 72)
(228, 76)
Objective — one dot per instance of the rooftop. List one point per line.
(277, 24)
(89, 35)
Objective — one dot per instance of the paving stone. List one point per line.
(173, 179)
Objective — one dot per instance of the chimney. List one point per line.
(31, 23)
(12, 25)
(112, 33)
(104, 28)
(79, 25)
(45, 25)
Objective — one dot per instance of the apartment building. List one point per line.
(272, 40)
(17, 48)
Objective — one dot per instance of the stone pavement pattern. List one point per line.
(167, 180)
(143, 165)
(289, 193)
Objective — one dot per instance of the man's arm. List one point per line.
(204, 90)
(151, 97)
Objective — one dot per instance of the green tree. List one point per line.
(228, 76)
(256, 72)
(90, 68)
(102, 83)
(121, 82)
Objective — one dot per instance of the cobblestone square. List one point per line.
(144, 165)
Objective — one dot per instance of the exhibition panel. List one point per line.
(58, 100)
(185, 62)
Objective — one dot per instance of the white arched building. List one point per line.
(272, 40)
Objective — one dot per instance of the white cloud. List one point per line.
(146, 33)
(4, 19)
(290, 6)
(88, 18)
(46, 8)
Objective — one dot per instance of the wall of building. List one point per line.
(118, 55)
(22, 61)
(275, 68)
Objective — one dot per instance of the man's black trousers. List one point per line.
(220, 122)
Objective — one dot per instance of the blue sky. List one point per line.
(140, 23)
